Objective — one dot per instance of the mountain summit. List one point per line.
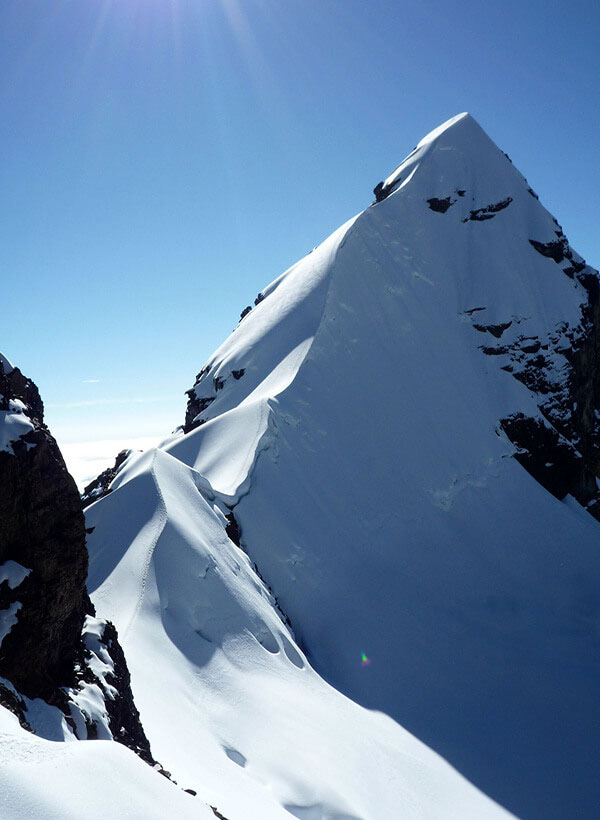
(402, 437)
(377, 530)
(406, 427)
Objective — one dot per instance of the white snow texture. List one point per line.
(351, 422)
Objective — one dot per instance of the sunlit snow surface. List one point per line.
(14, 423)
(387, 515)
(227, 698)
(96, 780)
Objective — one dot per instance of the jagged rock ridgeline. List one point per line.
(197, 405)
(51, 646)
(100, 486)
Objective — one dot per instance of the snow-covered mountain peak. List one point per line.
(343, 522)
(456, 151)
(369, 421)
(457, 237)
(459, 122)
(360, 439)
(461, 132)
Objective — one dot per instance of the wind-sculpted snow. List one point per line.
(69, 781)
(232, 707)
(378, 493)
(362, 429)
(263, 354)
(393, 497)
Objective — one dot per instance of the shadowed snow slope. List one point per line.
(233, 708)
(96, 780)
(353, 421)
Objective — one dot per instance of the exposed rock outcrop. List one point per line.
(561, 448)
(195, 406)
(42, 528)
(440, 205)
(100, 486)
(382, 190)
(489, 212)
(52, 647)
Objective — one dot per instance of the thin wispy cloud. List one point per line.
(90, 381)
(98, 402)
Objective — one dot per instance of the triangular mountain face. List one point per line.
(387, 475)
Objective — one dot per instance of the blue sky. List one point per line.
(165, 159)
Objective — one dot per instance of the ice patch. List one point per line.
(8, 618)
(13, 424)
(13, 573)
(317, 812)
(236, 756)
(291, 652)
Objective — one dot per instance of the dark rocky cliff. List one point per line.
(41, 528)
(44, 654)
(100, 486)
(561, 447)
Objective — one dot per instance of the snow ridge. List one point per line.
(425, 341)
(160, 526)
(365, 420)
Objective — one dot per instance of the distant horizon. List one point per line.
(312, 281)
(85, 460)
(165, 161)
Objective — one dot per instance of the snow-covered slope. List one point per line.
(41, 780)
(361, 422)
(232, 707)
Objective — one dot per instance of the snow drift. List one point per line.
(351, 486)
(376, 487)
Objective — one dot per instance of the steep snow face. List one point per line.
(354, 417)
(231, 705)
(286, 322)
(357, 421)
(68, 781)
